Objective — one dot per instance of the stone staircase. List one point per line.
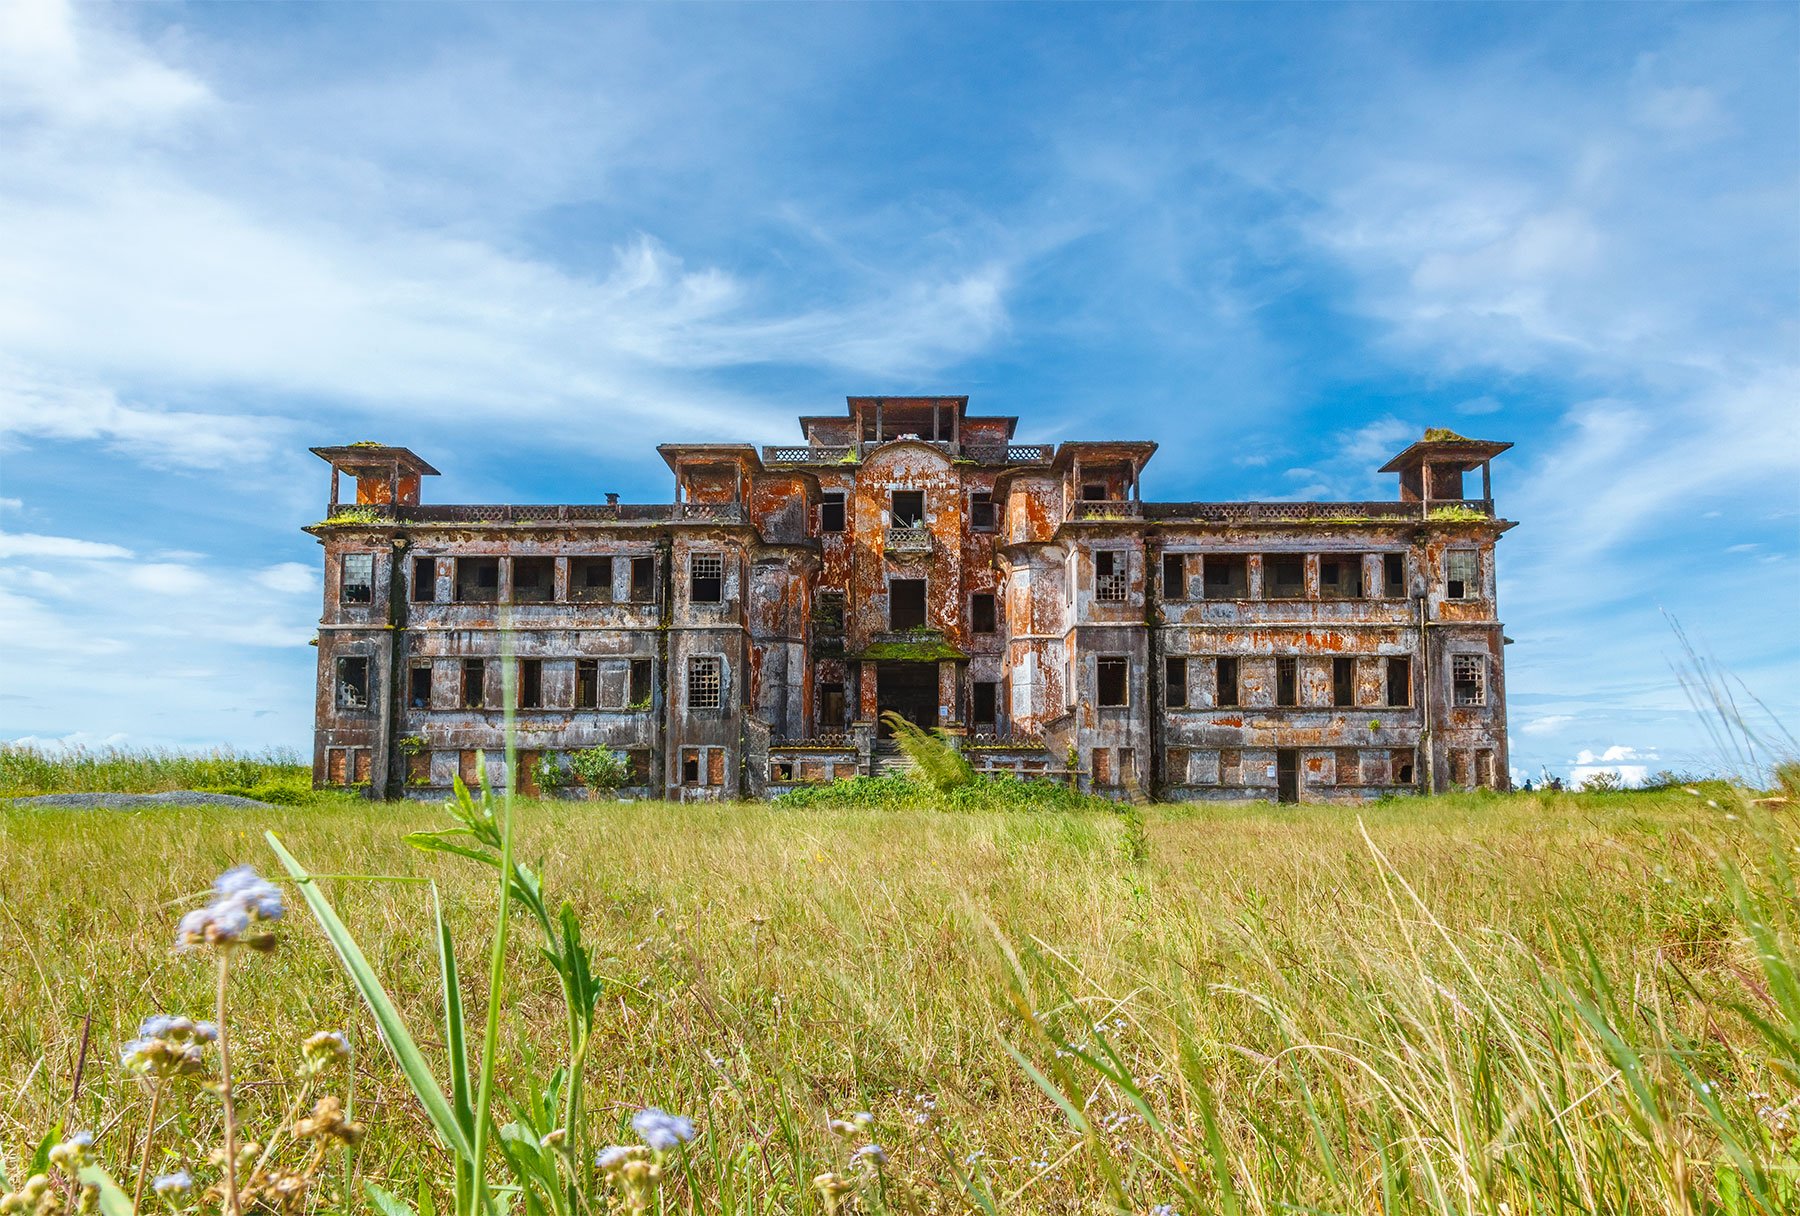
(888, 760)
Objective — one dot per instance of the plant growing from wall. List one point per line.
(548, 771)
(600, 768)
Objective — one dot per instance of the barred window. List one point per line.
(1109, 576)
(706, 577)
(1462, 575)
(704, 686)
(1468, 679)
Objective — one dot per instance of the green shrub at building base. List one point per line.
(600, 768)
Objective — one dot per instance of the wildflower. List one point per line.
(1163, 1209)
(661, 1130)
(832, 1188)
(178, 1183)
(241, 900)
(73, 1153)
(155, 1057)
(869, 1154)
(322, 1050)
(327, 1121)
(613, 1156)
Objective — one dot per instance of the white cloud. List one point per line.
(30, 544)
(1477, 406)
(62, 64)
(291, 578)
(12, 504)
(1547, 724)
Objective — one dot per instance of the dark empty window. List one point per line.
(1112, 680)
(831, 706)
(591, 579)
(640, 683)
(1174, 576)
(424, 580)
(1399, 682)
(1175, 682)
(534, 580)
(982, 616)
(1287, 682)
(1109, 576)
(831, 513)
(357, 585)
(705, 686)
(643, 580)
(706, 578)
(1340, 578)
(690, 766)
(981, 512)
(418, 686)
(1285, 577)
(906, 603)
(477, 580)
(1401, 762)
(1227, 671)
(1343, 682)
(1227, 576)
(531, 683)
(474, 683)
(1093, 491)
(1393, 575)
(1461, 575)
(828, 614)
(587, 683)
(984, 700)
(909, 508)
(353, 682)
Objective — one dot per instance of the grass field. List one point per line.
(1529, 1003)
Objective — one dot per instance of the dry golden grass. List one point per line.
(1426, 1032)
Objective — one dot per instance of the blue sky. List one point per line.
(532, 242)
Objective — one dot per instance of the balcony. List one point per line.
(378, 514)
(990, 454)
(826, 454)
(1090, 510)
(709, 512)
(1322, 512)
(909, 541)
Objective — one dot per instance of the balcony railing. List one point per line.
(498, 513)
(709, 512)
(909, 540)
(821, 454)
(981, 453)
(1318, 512)
(1110, 509)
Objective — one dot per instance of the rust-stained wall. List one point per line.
(1058, 619)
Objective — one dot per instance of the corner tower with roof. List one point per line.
(748, 635)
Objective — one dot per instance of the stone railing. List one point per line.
(1315, 512)
(1006, 742)
(826, 454)
(478, 513)
(1111, 509)
(1017, 453)
(909, 540)
(709, 512)
(823, 741)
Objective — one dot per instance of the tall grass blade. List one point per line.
(394, 1033)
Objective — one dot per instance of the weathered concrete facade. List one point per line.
(910, 556)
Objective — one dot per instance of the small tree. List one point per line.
(600, 768)
(1605, 781)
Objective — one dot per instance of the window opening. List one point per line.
(1401, 761)
(1286, 577)
(643, 580)
(1093, 491)
(587, 684)
(1393, 575)
(531, 683)
(357, 585)
(1227, 576)
(1340, 578)
(1175, 682)
(831, 512)
(1287, 681)
(641, 671)
(591, 579)
(1399, 683)
(1174, 571)
(831, 705)
(1111, 672)
(828, 614)
(1461, 580)
(1175, 762)
(534, 580)
(906, 603)
(424, 580)
(477, 580)
(690, 766)
(981, 512)
(909, 508)
(418, 686)
(982, 615)
(1468, 677)
(1227, 681)
(418, 768)
(984, 701)
(704, 684)
(706, 578)
(353, 682)
(1109, 576)
(1343, 682)
(474, 683)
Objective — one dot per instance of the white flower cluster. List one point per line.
(168, 1046)
(242, 901)
(636, 1169)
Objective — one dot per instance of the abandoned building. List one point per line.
(910, 556)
